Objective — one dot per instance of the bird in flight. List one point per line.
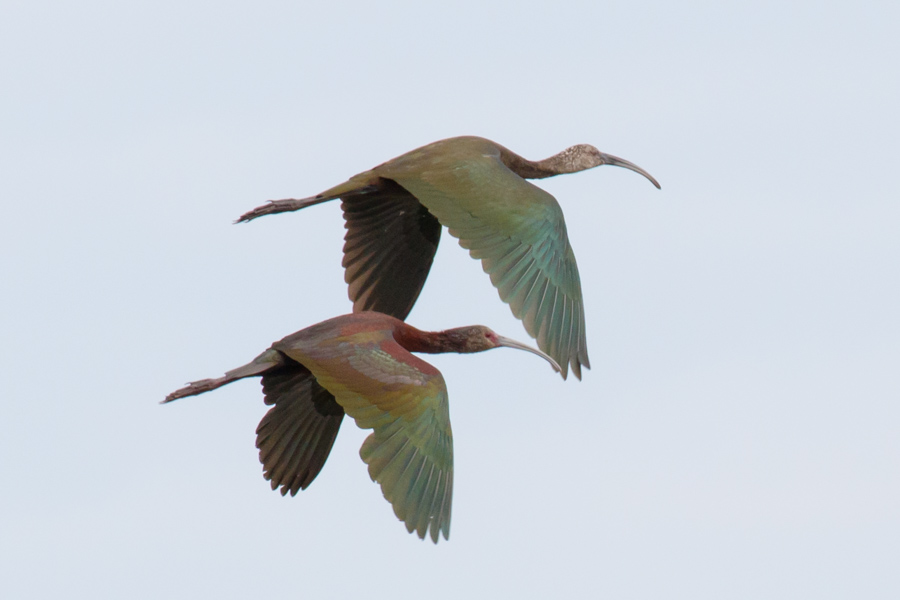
(362, 364)
(478, 190)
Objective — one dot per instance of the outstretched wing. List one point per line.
(388, 250)
(518, 232)
(403, 400)
(389, 246)
(296, 435)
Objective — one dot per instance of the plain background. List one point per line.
(737, 436)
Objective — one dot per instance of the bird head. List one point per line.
(584, 156)
(478, 338)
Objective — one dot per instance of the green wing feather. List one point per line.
(518, 232)
(404, 401)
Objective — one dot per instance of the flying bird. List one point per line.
(361, 364)
(478, 190)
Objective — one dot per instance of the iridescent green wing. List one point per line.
(518, 232)
(296, 435)
(404, 400)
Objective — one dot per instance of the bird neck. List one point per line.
(540, 169)
(437, 342)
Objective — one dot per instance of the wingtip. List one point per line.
(435, 533)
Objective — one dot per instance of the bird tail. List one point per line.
(353, 187)
(262, 363)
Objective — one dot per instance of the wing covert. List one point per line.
(404, 401)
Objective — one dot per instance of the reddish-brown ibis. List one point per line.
(362, 364)
(478, 190)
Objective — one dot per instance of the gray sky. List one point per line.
(737, 436)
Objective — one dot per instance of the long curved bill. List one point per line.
(510, 343)
(609, 159)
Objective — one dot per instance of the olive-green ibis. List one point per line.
(478, 190)
(361, 364)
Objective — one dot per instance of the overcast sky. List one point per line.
(737, 436)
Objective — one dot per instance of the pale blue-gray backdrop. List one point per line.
(737, 436)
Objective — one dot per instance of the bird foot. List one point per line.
(260, 211)
(279, 206)
(193, 388)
